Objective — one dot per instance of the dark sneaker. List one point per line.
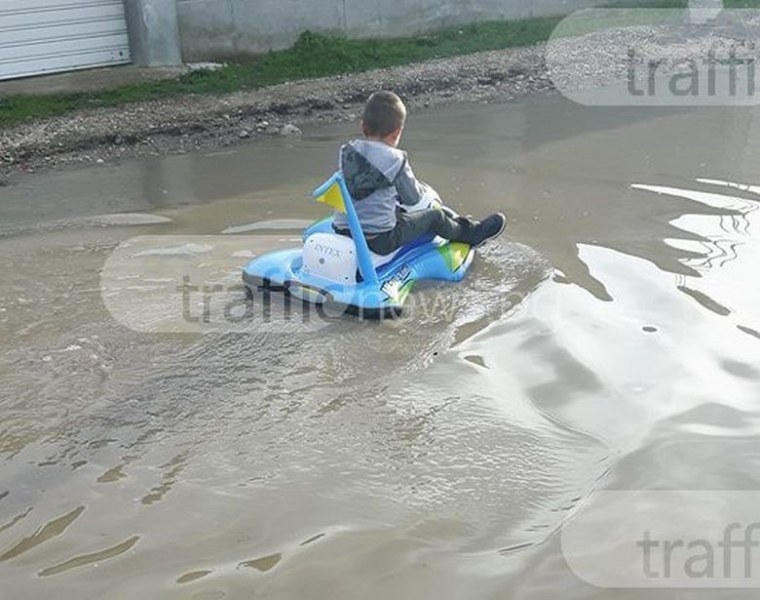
(489, 228)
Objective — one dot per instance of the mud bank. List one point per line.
(188, 123)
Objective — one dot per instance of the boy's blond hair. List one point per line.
(384, 113)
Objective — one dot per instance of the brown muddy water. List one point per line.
(609, 341)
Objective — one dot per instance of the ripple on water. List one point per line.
(91, 558)
(48, 531)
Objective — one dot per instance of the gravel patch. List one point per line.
(194, 122)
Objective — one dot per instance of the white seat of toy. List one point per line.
(334, 257)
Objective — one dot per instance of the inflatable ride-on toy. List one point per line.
(342, 274)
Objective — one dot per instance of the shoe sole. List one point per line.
(497, 234)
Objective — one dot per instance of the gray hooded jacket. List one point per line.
(378, 177)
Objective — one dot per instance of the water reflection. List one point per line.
(726, 241)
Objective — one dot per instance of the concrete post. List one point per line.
(153, 32)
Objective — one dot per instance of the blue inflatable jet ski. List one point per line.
(343, 275)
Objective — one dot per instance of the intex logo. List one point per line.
(329, 250)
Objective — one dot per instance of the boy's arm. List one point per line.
(410, 191)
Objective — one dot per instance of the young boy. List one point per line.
(380, 181)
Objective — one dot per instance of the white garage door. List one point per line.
(48, 36)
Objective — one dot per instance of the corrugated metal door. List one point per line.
(48, 36)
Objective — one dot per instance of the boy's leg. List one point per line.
(434, 221)
(414, 225)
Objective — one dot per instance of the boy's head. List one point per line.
(384, 117)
